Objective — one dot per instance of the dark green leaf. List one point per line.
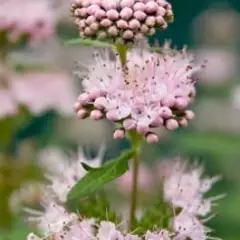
(87, 167)
(98, 177)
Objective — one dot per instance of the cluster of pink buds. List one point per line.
(121, 21)
(150, 91)
(31, 20)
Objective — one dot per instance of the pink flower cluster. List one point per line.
(150, 91)
(39, 92)
(33, 20)
(184, 189)
(121, 20)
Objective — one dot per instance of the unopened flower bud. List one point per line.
(168, 101)
(83, 12)
(161, 11)
(129, 124)
(100, 103)
(152, 138)
(85, 3)
(172, 124)
(139, 15)
(128, 34)
(150, 21)
(144, 28)
(139, 6)
(119, 134)
(94, 26)
(142, 128)
(166, 112)
(134, 24)
(90, 20)
(189, 115)
(151, 7)
(84, 98)
(96, 115)
(108, 5)
(100, 14)
(152, 31)
(122, 24)
(159, 20)
(112, 116)
(91, 10)
(101, 35)
(183, 122)
(112, 14)
(88, 31)
(181, 103)
(106, 23)
(126, 3)
(82, 113)
(126, 13)
(113, 31)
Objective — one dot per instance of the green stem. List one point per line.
(122, 51)
(136, 140)
(134, 192)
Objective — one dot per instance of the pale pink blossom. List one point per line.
(151, 90)
(120, 20)
(62, 172)
(145, 180)
(33, 19)
(188, 226)
(223, 60)
(41, 92)
(52, 220)
(56, 222)
(108, 231)
(184, 187)
(162, 235)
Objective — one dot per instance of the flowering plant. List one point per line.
(139, 88)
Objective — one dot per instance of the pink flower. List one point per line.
(44, 91)
(151, 90)
(185, 188)
(225, 61)
(188, 226)
(145, 180)
(33, 19)
(120, 20)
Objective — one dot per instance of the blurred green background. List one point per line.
(211, 29)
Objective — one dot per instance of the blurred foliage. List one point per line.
(13, 173)
(98, 206)
(19, 231)
(156, 215)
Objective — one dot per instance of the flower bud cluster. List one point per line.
(121, 21)
(31, 20)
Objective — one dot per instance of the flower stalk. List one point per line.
(122, 51)
(136, 140)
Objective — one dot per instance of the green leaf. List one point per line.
(89, 42)
(87, 167)
(98, 177)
